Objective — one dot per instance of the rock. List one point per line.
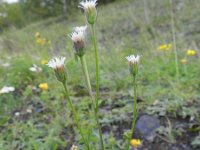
(147, 125)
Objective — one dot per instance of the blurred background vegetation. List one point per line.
(27, 11)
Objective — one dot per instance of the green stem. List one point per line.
(135, 105)
(134, 112)
(75, 115)
(97, 84)
(87, 78)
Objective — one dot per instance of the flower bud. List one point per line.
(89, 7)
(58, 65)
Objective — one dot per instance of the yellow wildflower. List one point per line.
(183, 61)
(191, 52)
(136, 143)
(40, 41)
(165, 47)
(44, 62)
(37, 34)
(43, 86)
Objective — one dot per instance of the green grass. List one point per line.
(121, 31)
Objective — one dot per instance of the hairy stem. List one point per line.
(134, 112)
(75, 116)
(97, 84)
(87, 79)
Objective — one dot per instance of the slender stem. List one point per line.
(174, 40)
(97, 65)
(97, 84)
(87, 78)
(75, 115)
(85, 71)
(135, 105)
(134, 112)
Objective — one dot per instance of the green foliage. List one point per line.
(12, 15)
(196, 142)
(120, 32)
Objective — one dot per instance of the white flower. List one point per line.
(88, 4)
(56, 63)
(74, 147)
(132, 59)
(29, 111)
(89, 7)
(35, 68)
(78, 39)
(17, 114)
(6, 65)
(7, 89)
(77, 36)
(80, 29)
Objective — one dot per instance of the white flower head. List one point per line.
(77, 36)
(89, 7)
(78, 39)
(35, 68)
(80, 29)
(7, 89)
(88, 4)
(17, 114)
(132, 59)
(6, 65)
(133, 64)
(74, 147)
(57, 63)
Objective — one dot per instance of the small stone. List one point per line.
(147, 125)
